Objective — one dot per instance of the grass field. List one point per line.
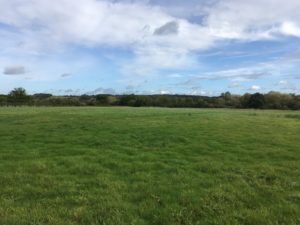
(91, 166)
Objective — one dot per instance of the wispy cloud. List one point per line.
(101, 90)
(235, 85)
(65, 75)
(285, 85)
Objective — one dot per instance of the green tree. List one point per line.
(256, 101)
(18, 96)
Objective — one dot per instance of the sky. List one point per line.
(194, 47)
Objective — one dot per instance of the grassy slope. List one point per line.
(149, 166)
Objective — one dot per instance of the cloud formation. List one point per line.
(14, 70)
(155, 38)
(287, 86)
(138, 25)
(167, 29)
(100, 90)
(255, 88)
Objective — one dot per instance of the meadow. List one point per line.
(92, 166)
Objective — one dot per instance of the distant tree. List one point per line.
(244, 100)
(105, 100)
(232, 101)
(163, 101)
(200, 103)
(3, 100)
(42, 95)
(226, 96)
(296, 102)
(87, 100)
(256, 101)
(18, 96)
(271, 100)
(102, 99)
(127, 100)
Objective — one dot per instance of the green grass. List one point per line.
(91, 166)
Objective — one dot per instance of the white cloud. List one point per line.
(255, 19)
(255, 88)
(42, 26)
(290, 28)
(149, 59)
(88, 22)
(283, 82)
(164, 92)
(288, 86)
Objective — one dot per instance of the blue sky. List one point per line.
(150, 46)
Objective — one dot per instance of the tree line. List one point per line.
(271, 100)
